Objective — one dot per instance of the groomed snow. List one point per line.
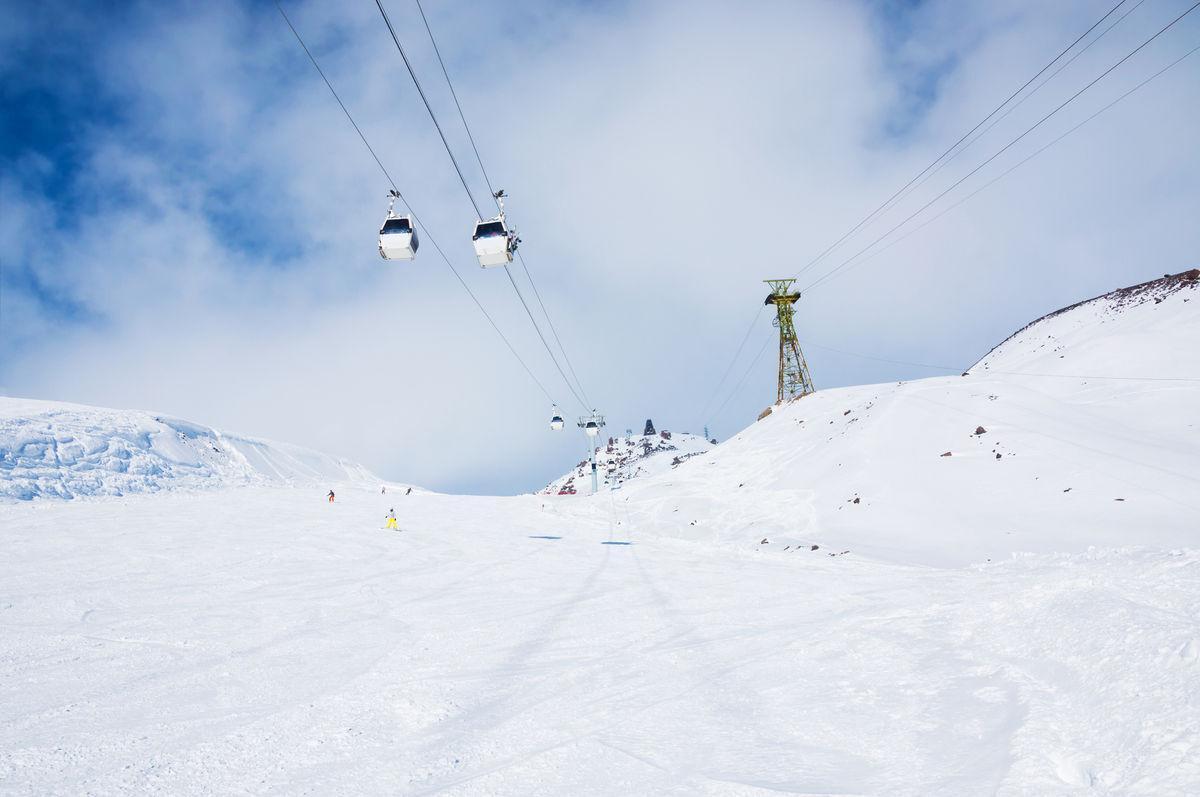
(264, 641)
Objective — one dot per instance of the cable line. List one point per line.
(738, 387)
(733, 362)
(479, 214)
(1018, 164)
(1013, 107)
(1003, 149)
(429, 108)
(810, 344)
(488, 181)
(454, 94)
(358, 130)
(537, 329)
(553, 330)
(424, 229)
(966, 135)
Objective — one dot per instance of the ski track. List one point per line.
(261, 641)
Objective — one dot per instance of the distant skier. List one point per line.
(391, 520)
(409, 491)
(383, 491)
(330, 496)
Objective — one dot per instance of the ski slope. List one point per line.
(260, 640)
(51, 449)
(733, 624)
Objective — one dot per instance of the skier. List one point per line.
(391, 520)
(331, 496)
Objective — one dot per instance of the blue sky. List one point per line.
(187, 221)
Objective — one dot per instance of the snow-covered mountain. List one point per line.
(690, 633)
(620, 459)
(1081, 429)
(56, 450)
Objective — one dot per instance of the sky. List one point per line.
(188, 223)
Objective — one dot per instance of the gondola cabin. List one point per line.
(493, 243)
(398, 239)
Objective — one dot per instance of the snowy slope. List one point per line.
(677, 636)
(620, 459)
(261, 641)
(1147, 330)
(56, 450)
(1066, 460)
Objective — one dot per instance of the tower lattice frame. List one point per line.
(794, 379)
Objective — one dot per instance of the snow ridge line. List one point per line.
(1170, 283)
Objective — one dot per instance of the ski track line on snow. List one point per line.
(536, 639)
(603, 661)
(709, 678)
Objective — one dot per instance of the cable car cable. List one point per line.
(537, 329)
(904, 193)
(429, 108)
(810, 344)
(1017, 165)
(553, 330)
(738, 387)
(321, 72)
(488, 181)
(879, 209)
(1003, 149)
(416, 82)
(733, 362)
(454, 94)
(424, 229)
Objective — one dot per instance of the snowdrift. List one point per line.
(56, 450)
(1079, 430)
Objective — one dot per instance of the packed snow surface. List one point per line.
(975, 585)
(264, 641)
(54, 450)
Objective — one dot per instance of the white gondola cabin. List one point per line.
(397, 236)
(398, 239)
(494, 242)
(556, 421)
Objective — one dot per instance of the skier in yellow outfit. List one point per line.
(391, 520)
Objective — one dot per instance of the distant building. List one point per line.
(649, 430)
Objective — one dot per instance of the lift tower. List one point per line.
(794, 379)
(591, 426)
